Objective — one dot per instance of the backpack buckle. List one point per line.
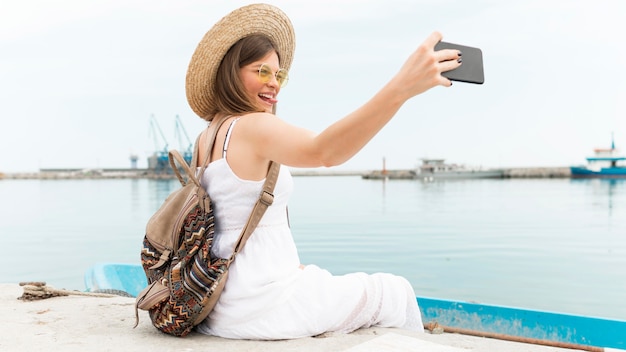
(267, 198)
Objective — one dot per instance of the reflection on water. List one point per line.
(605, 193)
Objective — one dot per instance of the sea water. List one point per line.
(548, 244)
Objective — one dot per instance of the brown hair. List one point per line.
(230, 95)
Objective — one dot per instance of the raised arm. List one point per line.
(273, 139)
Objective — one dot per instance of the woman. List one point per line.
(236, 73)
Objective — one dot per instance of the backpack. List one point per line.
(184, 279)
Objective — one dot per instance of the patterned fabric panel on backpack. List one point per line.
(189, 275)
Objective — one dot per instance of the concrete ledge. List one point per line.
(80, 323)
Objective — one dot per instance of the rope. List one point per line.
(435, 328)
(38, 290)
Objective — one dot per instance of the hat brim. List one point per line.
(261, 19)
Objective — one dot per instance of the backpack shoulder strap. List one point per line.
(211, 133)
(190, 170)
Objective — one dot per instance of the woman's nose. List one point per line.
(273, 82)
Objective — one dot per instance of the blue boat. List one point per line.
(606, 163)
(509, 323)
(127, 279)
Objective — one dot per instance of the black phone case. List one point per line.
(471, 70)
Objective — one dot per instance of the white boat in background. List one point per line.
(432, 169)
(435, 169)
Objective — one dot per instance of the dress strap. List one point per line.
(227, 138)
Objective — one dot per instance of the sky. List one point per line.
(80, 80)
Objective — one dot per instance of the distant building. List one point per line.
(133, 161)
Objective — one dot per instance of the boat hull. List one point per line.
(608, 172)
(107, 277)
(525, 323)
(460, 175)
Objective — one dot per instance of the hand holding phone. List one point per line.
(471, 69)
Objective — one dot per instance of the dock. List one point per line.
(538, 172)
(60, 174)
(527, 172)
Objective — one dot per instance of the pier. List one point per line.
(538, 172)
(527, 172)
(60, 174)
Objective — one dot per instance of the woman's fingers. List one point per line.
(447, 55)
(448, 59)
(450, 65)
(423, 68)
(450, 62)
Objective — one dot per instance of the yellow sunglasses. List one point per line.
(266, 74)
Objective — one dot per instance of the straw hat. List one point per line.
(240, 23)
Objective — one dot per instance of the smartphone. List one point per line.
(471, 70)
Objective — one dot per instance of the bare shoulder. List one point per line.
(258, 119)
(258, 124)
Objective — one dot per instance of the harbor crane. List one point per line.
(179, 132)
(161, 155)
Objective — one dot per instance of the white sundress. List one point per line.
(267, 295)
